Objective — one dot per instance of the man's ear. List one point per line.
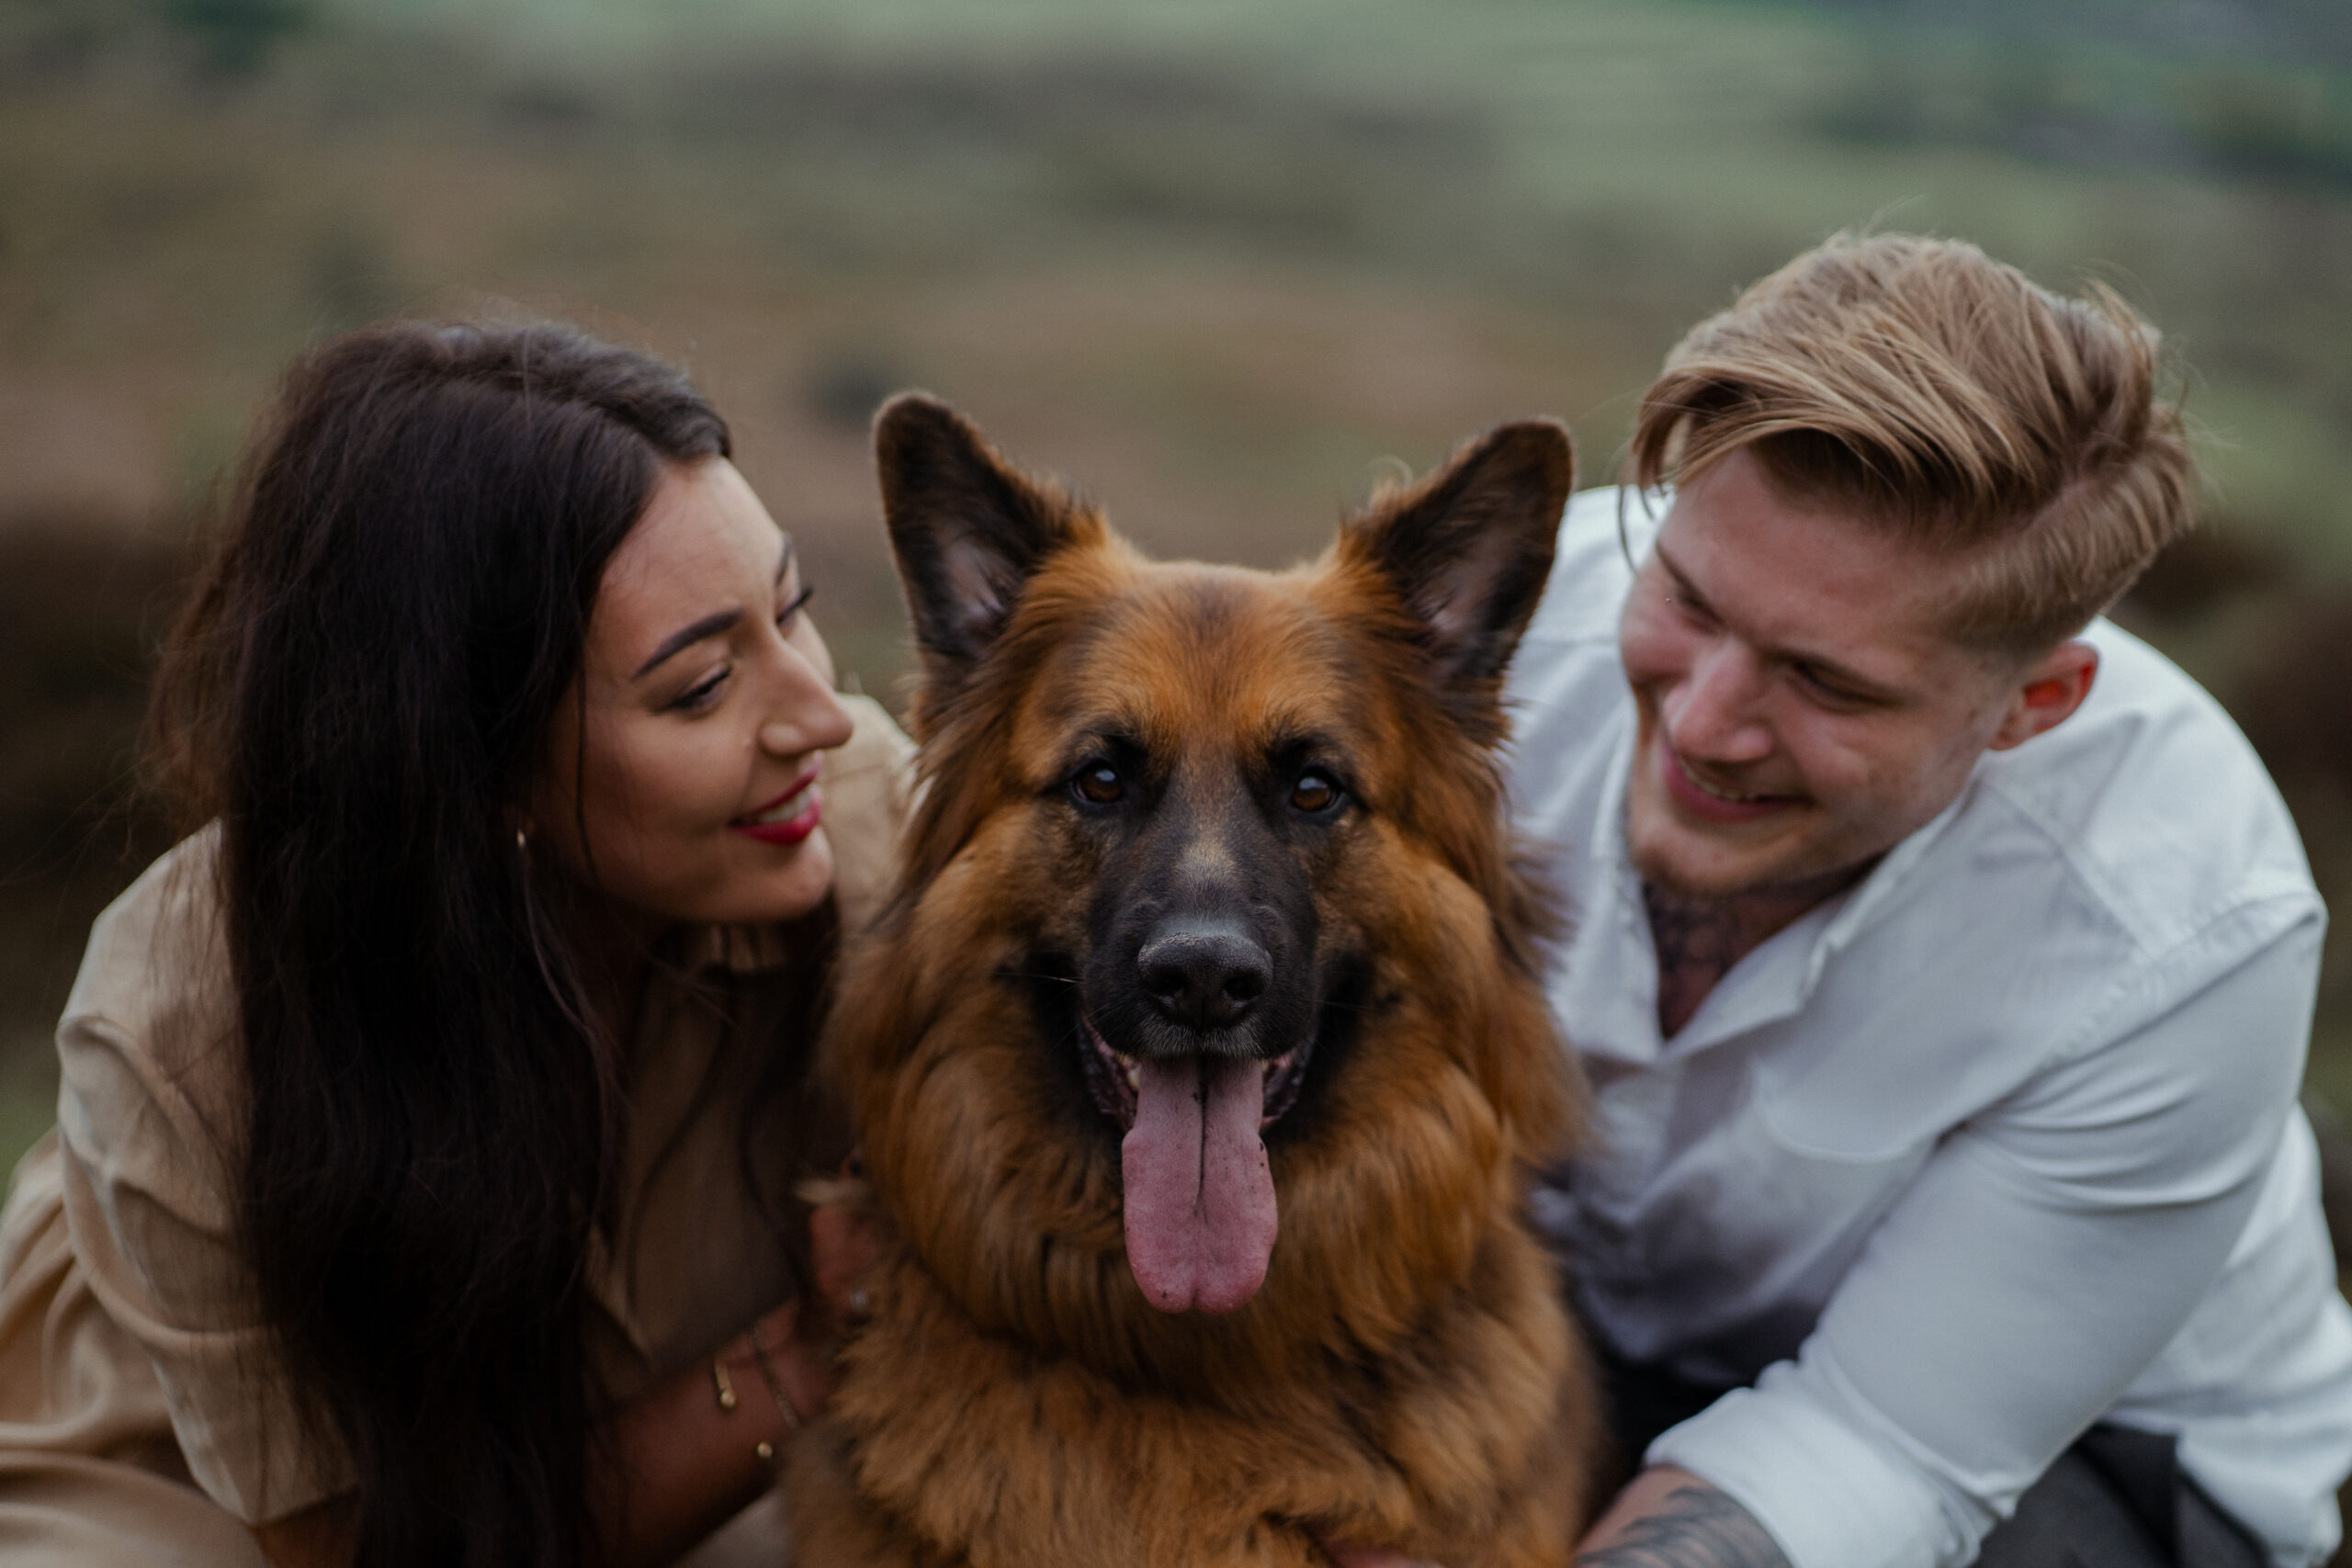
(1467, 550)
(968, 530)
(2047, 694)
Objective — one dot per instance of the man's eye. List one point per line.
(1689, 607)
(1099, 784)
(1827, 691)
(1314, 791)
(783, 617)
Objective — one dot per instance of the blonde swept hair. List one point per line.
(1919, 385)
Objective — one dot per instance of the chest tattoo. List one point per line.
(1697, 944)
(1698, 940)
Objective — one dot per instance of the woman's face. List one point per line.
(681, 778)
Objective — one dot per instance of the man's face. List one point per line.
(1800, 709)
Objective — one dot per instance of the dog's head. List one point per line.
(1222, 848)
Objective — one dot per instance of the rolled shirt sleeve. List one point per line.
(2041, 1258)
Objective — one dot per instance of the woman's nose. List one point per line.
(806, 715)
(1714, 711)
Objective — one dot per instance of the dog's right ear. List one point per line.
(968, 531)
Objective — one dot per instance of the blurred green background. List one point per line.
(1212, 260)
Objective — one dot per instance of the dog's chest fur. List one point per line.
(945, 1434)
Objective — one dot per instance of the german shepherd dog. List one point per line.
(1200, 1059)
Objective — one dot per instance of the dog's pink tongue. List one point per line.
(1200, 1199)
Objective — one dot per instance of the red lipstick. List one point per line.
(789, 817)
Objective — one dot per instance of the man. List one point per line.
(1941, 957)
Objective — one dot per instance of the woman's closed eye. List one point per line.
(703, 694)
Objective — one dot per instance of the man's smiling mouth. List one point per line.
(1696, 784)
(1733, 796)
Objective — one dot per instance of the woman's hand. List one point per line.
(843, 1247)
(688, 1462)
(318, 1537)
(682, 1462)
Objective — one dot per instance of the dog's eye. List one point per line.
(1314, 791)
(1099, 784)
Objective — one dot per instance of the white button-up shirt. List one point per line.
(2001, 1141)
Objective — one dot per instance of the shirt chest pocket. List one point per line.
(1734, 1174)
(1748, 1229)
(1796, 1203)
(1871, 1092)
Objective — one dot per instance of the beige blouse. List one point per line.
(141, 1416)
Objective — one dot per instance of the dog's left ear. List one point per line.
(1468, 547)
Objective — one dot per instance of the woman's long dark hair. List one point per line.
(361, 694)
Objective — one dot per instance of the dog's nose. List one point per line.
(1204, 977)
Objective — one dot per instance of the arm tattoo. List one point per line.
(1696, 1527)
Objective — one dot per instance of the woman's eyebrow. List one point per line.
(686, 636)
(709, 626)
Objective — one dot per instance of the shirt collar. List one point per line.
(1895, 868)
(1609, 983)
(1771, 984)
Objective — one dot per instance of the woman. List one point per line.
(422, 1192)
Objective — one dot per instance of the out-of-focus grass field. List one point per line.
(1212, 261)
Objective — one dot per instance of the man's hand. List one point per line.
(1670, 1519)
(1666, 1519)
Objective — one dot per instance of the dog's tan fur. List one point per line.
(1406, 1375)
